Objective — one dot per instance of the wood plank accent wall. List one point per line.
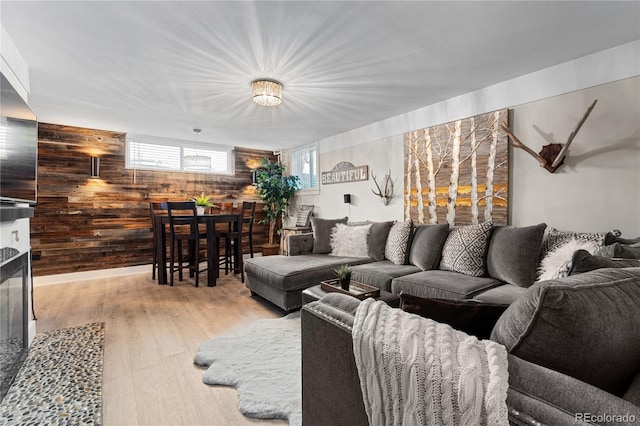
(83, 224)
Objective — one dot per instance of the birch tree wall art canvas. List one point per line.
(458, 172)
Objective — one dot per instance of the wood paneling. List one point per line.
(84, 224)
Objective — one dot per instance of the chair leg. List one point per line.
(172, 261)
(196, 257)
(180, 260)
(154, 265)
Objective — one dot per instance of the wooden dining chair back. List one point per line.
(156, 209)
(248, 216)
(183, 224)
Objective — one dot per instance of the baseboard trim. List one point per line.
(90, 275)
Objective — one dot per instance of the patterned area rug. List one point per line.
(60, 381)
(263, 363)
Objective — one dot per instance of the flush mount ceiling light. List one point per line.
(267, 92)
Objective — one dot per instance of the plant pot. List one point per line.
(200, 210)
(344, 283)
(270, 249)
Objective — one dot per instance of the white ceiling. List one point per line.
(162, 68)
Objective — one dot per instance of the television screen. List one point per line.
(18, 147)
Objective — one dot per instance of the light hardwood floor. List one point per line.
(151, 335)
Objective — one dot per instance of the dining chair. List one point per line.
(183, 223)
(156, 209)
(232, 237)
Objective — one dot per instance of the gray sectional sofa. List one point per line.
(508, 261)
(587, 371)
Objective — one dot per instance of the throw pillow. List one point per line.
(471, 316)
(350, 241)
(583, 261)
(465, 249)
(395, 249)
(555, 239)
(322, 233)
(303, 218)
(426, 245)
(514, 252)
(557, 263)
(585, 326)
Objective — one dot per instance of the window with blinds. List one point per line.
(304, 164)
(144, 152)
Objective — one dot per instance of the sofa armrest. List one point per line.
(554, 398)
(298, 244)
(331, 392)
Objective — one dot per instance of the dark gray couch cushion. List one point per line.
(506, 294)
(426, 246)
(442, 284)
(622, 251)
(380, 274)
(322, 233)
(377, 239)
(583, 261)
(586, 326)
(297, 272)
(514, 252)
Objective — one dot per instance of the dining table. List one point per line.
(213, 265)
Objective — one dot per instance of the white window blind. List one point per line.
(145, 152)
(304, 164)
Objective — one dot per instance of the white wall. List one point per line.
(613, 175)
(598, 187)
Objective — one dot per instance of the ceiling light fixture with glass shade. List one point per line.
(266, 92)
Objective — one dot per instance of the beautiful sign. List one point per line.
(345, 172)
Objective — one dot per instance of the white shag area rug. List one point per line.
(263, 363)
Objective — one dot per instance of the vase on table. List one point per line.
(344, 283)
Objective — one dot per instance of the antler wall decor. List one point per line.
(551, 156)
(387, 195)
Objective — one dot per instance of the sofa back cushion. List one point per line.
(465, 249)
(620, 251)
(426, 246)
(322, 233)
(586, 326)
(378, 239)
(514, 252)
(583, 261)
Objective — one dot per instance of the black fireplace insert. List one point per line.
(14, 335)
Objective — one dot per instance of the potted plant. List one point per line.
(275, 190)
(202, 201)
(344, 276)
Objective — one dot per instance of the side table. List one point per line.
(290, 231)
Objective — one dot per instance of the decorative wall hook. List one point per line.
(387, 194)
(551, 156)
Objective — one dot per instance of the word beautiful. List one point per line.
(345, 172)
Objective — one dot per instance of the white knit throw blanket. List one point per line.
(415, 371)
